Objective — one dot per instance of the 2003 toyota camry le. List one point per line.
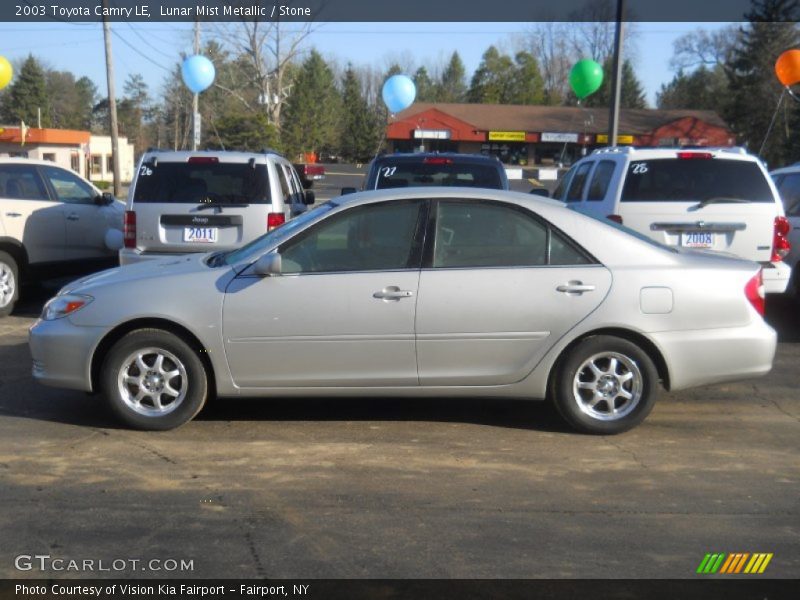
(429, 292)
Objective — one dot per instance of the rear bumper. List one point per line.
(707, 356)
(776, 277)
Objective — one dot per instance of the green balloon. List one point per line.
(585, 78)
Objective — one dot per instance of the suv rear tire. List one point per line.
(9, 283)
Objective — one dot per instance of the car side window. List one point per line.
(376, 237)
(21, 182)
(790, 194)
(601, 178)
(558, 193)
(578, 183)
(286, 189)
(68, 187)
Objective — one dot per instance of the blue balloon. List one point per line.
(399, 92)
(198, 73)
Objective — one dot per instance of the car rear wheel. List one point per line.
(9, 283)
(154, 380)
(605, 385)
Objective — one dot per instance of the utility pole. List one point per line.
(196, 97)
(616, 76)
(112, 104)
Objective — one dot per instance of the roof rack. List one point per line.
(615, 150)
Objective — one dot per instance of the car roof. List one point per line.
(21, 160)
(446, 192)
(225, 156)
(639, 153)
(418, 156)
(795, 168)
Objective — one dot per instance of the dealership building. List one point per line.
(545, 135)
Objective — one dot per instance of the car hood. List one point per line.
(150, 269)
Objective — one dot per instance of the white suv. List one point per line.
(52, 222)
(181, 202)
(719, 199)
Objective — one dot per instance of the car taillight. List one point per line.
(615, 218)
(694, 155)
(437, 161)
(129, 229)
(754, 290)
(780, 244)
(275, 220)
(202, 160)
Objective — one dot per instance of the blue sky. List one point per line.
(151, 48)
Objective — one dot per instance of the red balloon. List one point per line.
(787, 67)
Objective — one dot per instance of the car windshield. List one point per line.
(436, 171)
(202, 182)
(257, 246)
(695, 180)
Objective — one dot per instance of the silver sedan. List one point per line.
(428, 292)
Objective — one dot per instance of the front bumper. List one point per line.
(62, 353)
(707, 356)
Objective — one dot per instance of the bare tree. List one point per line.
(269, 49)
(704, 48)
(549, 43)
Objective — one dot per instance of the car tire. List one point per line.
(605, 385)
(154, 380)
(9, 283)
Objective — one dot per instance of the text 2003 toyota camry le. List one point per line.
(428, 292)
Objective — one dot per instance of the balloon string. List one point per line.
(772, 122)
(792, 94)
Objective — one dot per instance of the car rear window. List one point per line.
(224, 183)
(444, 172)
(694, 180)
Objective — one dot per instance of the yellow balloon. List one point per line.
(6, 72)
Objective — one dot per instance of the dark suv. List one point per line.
(433, 168)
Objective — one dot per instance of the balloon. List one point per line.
(198, 73)
(787, 67)
(399, 92)
(585, 78)
(6, 72)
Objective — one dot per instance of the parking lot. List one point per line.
(379, 487)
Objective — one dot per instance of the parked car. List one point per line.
(183, 202)
(52, 221)
(309, 173)
(413, 292)
(434, 169)
(788, 182)
(719, 199)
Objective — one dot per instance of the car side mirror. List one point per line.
(309, 197)
(540, 192)
(269, 265)
(348, 190)
(307, 183)
(104, 199)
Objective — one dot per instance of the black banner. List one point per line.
(394, 589)
(481, 11)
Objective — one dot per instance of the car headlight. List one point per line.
(61, 306)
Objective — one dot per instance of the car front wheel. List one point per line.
(154, 380)
(9, 283)
(605, 385)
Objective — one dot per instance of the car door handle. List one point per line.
(73, 217)
(392, 292)
(575, 287)
(13, 214)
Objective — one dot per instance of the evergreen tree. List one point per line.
(754, 89)
(426, 90)
(241, 131)
(27, 94)
(452, 87)
(360, 128)
(311, 114)
(702, 89)
(493, 79)
(528, 85)
(86, 91)
(631, 96)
